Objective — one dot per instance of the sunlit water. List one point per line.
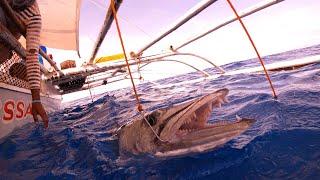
(284, 143)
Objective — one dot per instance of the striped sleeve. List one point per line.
(32, 19)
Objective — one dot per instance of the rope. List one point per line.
(154, 132)
(138, 59)
(256, 50)
(90, 90)
(140, 108)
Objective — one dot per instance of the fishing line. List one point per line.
(154, 132)
(140, 108)
(254, 47)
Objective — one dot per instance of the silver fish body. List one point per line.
(181, 129)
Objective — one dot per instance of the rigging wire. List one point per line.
(255, 48)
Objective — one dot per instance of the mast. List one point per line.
(105, 28)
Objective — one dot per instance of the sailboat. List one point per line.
(15, 106)
(15, 97)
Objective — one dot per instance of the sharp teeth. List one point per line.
(238, 118)
(220, 101)
(210, 106)
(194, 116)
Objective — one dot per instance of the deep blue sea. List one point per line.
(284, 143)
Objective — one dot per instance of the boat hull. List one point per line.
(15, 107)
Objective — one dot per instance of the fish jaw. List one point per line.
(192, 115)
(205, 139)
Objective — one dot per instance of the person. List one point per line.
(29, 14)
(5, 52)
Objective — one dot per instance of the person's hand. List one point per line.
(37, 109)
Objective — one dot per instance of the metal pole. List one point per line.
(190, 14)
(105, 28)
(249, 11)
(190, 54)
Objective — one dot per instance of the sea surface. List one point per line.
(284, 143)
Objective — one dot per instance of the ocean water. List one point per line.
(284, 143)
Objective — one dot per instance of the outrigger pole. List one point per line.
(86, 72)
(9, 12)
(245, 13)
(106, 26)
(190, 14)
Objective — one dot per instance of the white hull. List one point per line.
(15, 107)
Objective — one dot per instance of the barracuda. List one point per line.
(181, 129)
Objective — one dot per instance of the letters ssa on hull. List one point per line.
(12, 110)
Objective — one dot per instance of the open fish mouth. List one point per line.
(189, 125)
(193, 116)
(198, 120)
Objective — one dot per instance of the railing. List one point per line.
(10, 41)
(10, 14)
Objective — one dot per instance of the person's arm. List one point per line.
(33, 30)
(33, 75)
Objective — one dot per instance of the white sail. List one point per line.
(60, 23)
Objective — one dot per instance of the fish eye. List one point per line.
(151, 119)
